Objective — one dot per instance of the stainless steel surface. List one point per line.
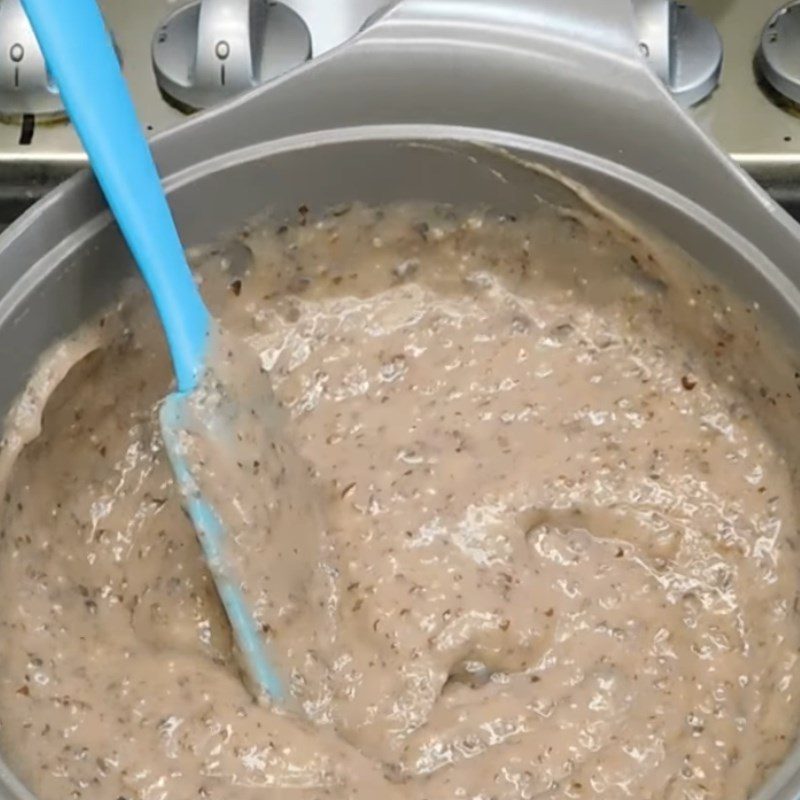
(681, 47)
(211, 50)
(25, 85)
(779, 52)
(133, 24)
(746, 120)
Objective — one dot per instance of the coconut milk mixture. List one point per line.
(556, 551)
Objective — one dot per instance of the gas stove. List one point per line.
(734, 63)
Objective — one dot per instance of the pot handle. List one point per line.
(608, 26)
(506, 64)
(542, 68)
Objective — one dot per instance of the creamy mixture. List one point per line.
(557, 546)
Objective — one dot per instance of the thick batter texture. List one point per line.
(556, 551)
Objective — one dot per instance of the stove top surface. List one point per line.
(750, 122)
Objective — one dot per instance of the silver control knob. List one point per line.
(779, 53)
(211, 50)
(684, 49)
(25, 85)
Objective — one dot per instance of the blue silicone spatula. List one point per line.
(82, 61)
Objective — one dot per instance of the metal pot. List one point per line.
(406, 111)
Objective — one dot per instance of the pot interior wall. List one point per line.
(55, 291)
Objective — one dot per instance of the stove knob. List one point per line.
(211, 50)
(683, 49)
(25, 85)
(780, 47)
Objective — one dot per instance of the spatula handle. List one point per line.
(82, 61)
